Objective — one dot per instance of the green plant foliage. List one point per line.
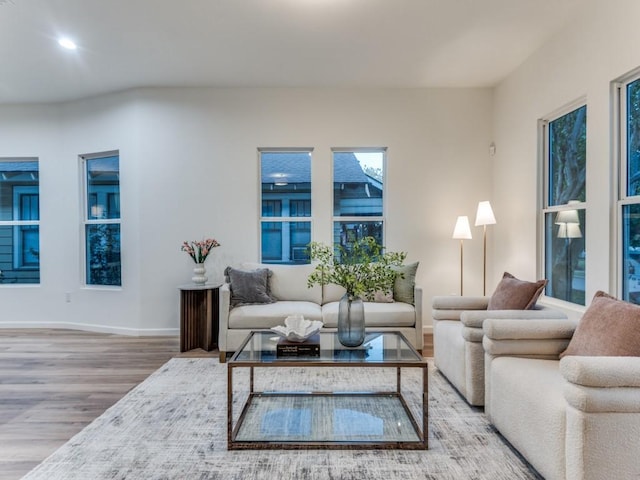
(362, 269)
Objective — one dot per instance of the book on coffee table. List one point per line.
(310, 347)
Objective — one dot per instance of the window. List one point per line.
(628, 92)
(564, 138)
(285, 223)
(102, 219)
(358, 195)
(19, 221)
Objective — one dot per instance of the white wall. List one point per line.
(189, 169)
(597, 47)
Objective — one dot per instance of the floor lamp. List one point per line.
(462, 232)
(568, 227)
(484, 217)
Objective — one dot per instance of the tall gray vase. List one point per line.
(351, 321)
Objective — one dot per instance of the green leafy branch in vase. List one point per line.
(362, 269)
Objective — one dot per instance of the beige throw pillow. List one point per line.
(514, 294)
(609, 327)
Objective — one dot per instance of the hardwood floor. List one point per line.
(53, 383)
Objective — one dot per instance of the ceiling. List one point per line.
(125, 44)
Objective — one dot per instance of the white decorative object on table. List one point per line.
(297, 328)
(199, 277)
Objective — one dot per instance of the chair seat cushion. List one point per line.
(269, 315)
(396, 314)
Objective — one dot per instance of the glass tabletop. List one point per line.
(379, 348)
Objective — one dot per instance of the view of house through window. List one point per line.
(285, 221)
(630, 189)
(564, 210)
(102, 219)
(358, 193)
(19, 221)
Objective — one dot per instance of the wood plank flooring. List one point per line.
(53, 383)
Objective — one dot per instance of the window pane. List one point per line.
(103, 188)
(633, 138)
(565, 255)
(631, 253)
(286, 181)
(567, 157)
(285, 242)
(348, 233)
(20, 254)
(358, 184)
(103, 254)
(19, 191)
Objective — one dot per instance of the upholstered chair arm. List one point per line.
(475, 319)
(450, 307)
(417, 302)
(602, 384)
(225, 303)
(539, 338)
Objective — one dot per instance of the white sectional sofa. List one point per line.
(577, 418)
(457, 339)
(288, 284)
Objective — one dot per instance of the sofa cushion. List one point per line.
(514, 294)
(249, 286)
(256, 317)
(405, 284)
(609, 327)
(289, 282)
(332, 293)
(396, 314)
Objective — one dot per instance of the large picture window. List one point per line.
(564, 137)
(358, 195)
(19, 221)
(285, 221)
(628, 93)
(102, 219)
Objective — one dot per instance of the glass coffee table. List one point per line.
(315, 401)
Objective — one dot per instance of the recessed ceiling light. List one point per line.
(67, 43)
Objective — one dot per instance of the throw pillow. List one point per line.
(405, 283)
(609, 327)
(249, 286)
(380, 296)
(514, 294)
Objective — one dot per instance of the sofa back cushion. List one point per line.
(289, 282)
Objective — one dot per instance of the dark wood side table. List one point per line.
(199, 316)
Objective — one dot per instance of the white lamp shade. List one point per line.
(569, 230)
(484, 215)
(567, 216)
(462, 231)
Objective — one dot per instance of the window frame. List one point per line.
(360, 218)
(621, 196)
(545, 208)
(86, 221)
(282, 220)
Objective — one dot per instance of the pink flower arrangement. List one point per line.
(199, 250)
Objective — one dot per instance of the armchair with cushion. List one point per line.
(575, 417)
(457, 330)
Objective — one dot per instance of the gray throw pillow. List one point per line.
(405, 283)
(249, 286)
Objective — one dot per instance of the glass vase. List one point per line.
(351, 321)
(199, 277)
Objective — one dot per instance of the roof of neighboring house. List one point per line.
(28, 166)
(295, 167)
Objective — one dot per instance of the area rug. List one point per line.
(173, 426)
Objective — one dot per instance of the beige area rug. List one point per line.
(173, 426)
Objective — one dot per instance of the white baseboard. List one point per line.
(427, 329)
(133, 332)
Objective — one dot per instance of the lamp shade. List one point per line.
(462, 231)
(484, 215)
(567, 216)
(569, 230)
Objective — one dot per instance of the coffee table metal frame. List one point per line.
(415, 360)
